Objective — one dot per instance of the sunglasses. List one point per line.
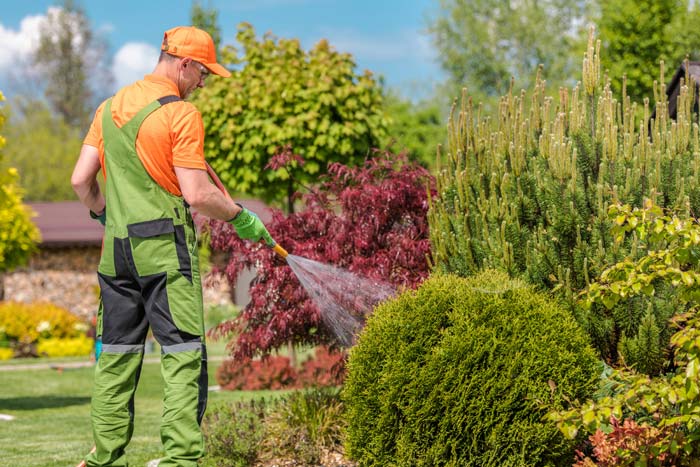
(203, 72)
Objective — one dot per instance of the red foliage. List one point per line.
(284, 158)
(251, 375)
(628, 444)
(370, 220)
(327, 368)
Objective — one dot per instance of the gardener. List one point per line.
(148, 142)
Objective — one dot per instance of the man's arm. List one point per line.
(84, 179)
(203, 196)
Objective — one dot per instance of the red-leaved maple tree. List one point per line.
(370, 220)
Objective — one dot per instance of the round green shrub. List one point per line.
(461, 372)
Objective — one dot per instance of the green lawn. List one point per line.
(52, 410)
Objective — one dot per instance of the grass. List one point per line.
(52, 413)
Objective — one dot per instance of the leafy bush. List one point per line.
(234, 434)
(65, 347)
(273, 372)
(669, 402)
(305, 423)
(6, 354)
(22, 325)
(527, 191)
(326, 368)
(461, 371)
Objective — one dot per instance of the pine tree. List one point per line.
(528, 190)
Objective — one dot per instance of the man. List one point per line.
(148, 143)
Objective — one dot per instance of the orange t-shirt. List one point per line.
(172, 136)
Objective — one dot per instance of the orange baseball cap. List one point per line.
(194, 43)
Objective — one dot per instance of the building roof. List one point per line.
(68, 223)
(673, 89)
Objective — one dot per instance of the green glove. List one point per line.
(101, 218)
(249, 227)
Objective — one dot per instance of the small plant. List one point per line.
(301, 426)
(6, 353)
(234, 434)
(305, 423)
(613, 449)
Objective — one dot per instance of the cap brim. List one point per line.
(218, 69)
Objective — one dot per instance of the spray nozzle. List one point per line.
(277, 248)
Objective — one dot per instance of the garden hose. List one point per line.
(217, 181)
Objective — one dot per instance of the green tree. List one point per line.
(637, 34)
(69, 54)
(281, 96)
(18, 235)
(43, 148)
(415, 128)
(208, 20)
(483, 43)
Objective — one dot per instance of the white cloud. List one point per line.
(18, 45)
(133, 61)
(402, 45)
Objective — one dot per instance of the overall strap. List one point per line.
(133, 125)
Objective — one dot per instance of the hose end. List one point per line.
(280, 251)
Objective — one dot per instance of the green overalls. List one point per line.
(149, 276)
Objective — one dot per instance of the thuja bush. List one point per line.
(461, 372)
(527, 191)
(370, 220)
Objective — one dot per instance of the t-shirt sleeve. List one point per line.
(188, 139)
(94, 134)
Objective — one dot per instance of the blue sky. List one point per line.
(387, 37)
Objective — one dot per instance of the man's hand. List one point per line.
(101, 217)
(249, 227)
